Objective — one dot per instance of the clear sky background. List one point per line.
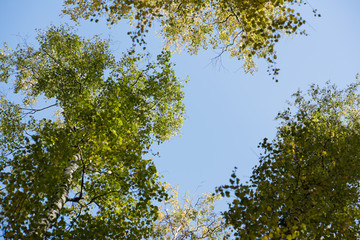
(228, 112)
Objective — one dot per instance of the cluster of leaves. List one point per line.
(84, 175)
(246, 29)
(307, 183)
(191, 220)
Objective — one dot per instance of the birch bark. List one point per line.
(53, 211)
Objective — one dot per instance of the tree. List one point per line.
(245, 29)
(82, 175)
(192, 220)
(306, 185)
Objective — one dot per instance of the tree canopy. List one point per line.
(82, 175)
(306, 185)
(192, 219)
(245, 29)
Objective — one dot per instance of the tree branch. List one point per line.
(34, 110)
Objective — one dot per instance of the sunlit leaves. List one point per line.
(244, 29)
(189, 219)
(307, 183)
(87, 167)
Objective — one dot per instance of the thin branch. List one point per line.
(75, 219)
(33, 110)
(140, 75)
(223, 21)
(236, 16)
(99, 196)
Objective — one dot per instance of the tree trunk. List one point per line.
(53, 211)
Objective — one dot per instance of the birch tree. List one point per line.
(306, 185)
(246, 29)
(82, 174)
(181, 219)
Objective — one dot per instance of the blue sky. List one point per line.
(228, 112)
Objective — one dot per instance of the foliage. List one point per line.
(307, 183)
(83, 175)
(245, 29)
(192, 220)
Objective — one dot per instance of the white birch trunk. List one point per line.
(53, 211)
